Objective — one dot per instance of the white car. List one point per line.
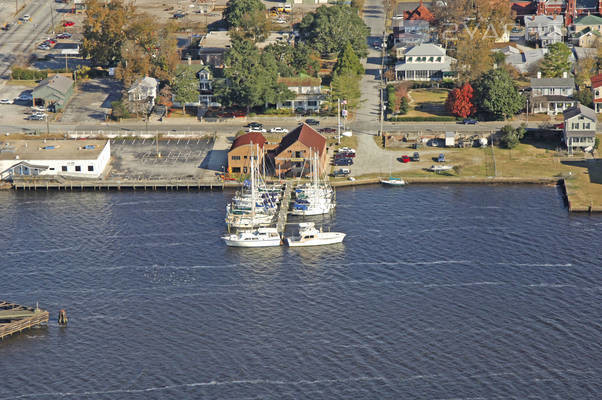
(281, 21)
(259, 130)
(278, 130)
(346, 150)
(26, 17)
(25, 97)
(6, 101)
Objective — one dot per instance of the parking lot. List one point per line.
(180, 158)
(11, 114)
(92, 100)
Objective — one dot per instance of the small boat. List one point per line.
(310, 236)
(391, 181)
(262, 237)
(437, 168)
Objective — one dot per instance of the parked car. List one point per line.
(36, 117)
(50, 41)
(24, 97)
(340, 172)
(441, 158)
(343, 161)
(278, 130)
(179, 15)
(68, 23)
(254, 125)
(343, 155)
(311, 121)
(6, 27)
(327, 130)
(516, 29)
(405, 159)
(416, 156)
(25, 18)
(43, 47)
(347, 149)
(6, 101)
(470, 121)
(64, 35)
(260, 130)
(281, 21)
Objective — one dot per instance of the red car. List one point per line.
(405, 159)
(50, 41)
(68, 23)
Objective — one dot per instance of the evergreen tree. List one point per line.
(346, 86)
(237, 10)
(496, 94)
(186, 88)
(556, 61)
(348, 61)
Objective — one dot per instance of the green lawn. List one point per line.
(427, 103)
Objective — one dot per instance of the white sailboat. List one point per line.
(316, 198)
(391, 180)
(310, 236)
(262, 237)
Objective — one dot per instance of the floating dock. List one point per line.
(15, 318)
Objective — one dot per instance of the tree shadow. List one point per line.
(592, 165)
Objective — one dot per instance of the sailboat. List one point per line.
(391, 180)
(315, 198)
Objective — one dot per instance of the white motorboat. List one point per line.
(391, 181)
(262, 237)
(437, 168)
(310, 236)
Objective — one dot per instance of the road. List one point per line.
(17, 43)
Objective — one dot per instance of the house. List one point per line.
(205, 85)
(308, 93)
(294, 154)
(419, 13)
(54, 91)
(143, 92)
(526, 60)
(72, 158)
(579, 128)
(586, 31)
(79, 6)
(544, 29)
(571, 8)
(243, 148)
(424, 62)
(551, 95)
(597, 92)
(213, 47)
(410, 32)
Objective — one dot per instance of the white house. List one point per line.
(579, 128)
(547, 29)
(144, 89)
(424, 62)
(205, 85)
(69, 158)
(597, 92)
(552, 95)
(308, 92)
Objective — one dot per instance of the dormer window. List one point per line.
(409, 59)
(438, 59)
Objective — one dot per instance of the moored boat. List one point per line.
(310, 236)
(262, 237)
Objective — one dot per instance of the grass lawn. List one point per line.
(26, 83)
(427, 103)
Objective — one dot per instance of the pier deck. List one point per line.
(153, 184)
(284, 205)
(15, 318)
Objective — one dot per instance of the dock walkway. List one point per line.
(284, 205)
(15, 318)
(130, 184)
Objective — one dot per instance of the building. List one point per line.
(213, 47)
(243, 147)
(579, 128)
(68, 158)
(205, 85)
(572, 9)
(526, 60)
(419, 13)
(597, 92)
(293, 156)
(308, 93)
(410, 32)
(551, 95)
(425, 62)
(143, 93)
(544, 29)
(54, 91)
(586, 31)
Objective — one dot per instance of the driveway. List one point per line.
(92, 100)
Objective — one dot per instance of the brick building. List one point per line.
(293, 156)
(243, 147)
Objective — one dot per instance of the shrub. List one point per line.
(19, 73)
(281, 111)
(119, 110)
(511, 137)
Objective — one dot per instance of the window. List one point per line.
(409, 59)
(235, 157)
(64, 168)
(51, 168)
(575, 125)
(236, 170)
(586, 125)
(245, 157)
(78, 168)
(90, 168)
(312, 103)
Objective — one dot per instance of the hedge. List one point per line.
(422, 119)
(27, 74)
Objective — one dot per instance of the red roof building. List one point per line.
(597, 92)
(293, 155)
(243, 148)
(420, 12)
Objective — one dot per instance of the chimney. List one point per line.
(189, 60)
(565, 75)
(538, 74)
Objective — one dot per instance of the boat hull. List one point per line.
(251, 243)
(393, 183)
(325, 238)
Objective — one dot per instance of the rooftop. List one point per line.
(426, 50)
(552, 82)
(255, 138)
(580, 109)
(57, 82)
(301, 80)
(51, 149)
(306, 135)
(589, 20)
(536, 20)
(596, 80)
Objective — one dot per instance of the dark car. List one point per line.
(312, 121)
(64, 35)
(6, 27)
(340, 172)
(405, 159)
(328, 130)
(254, 125)
(179, 15)
(344, 154)
(416, 156)
(441, 158)
(343, 161)
(470, 121)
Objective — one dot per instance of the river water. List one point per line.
(438, 292)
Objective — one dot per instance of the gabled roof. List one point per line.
(589, 20)
(301, 80)
(59, 83)
(552, 82)
(146, 82)
(578, 110)
(306, 135)
(255, 138)
(596, 81)
(426, 50)
(420, 12)
(587, 4)
(543, 20)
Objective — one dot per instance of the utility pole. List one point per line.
(52, 16)
(339, 121)
(382, 112)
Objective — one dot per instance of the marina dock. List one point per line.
(15, 318)
(284, 206)
(130, 184)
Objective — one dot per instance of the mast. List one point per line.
(253, 195)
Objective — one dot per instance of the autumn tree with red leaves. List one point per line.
(459, 101)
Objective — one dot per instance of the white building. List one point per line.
(308, 93)
(547, 29)
(144, 89)
(67, 158)
(579, 131)
(424, 62)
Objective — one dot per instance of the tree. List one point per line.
(585, 97)
(496, 94)
(165, 96)
(584, 70)
(348, 61)
(459, 101)
(329, 29)
(294, 60)
(391, 99)
(346, 86)
(556, 61)
(511, 137)
(254, 25)
(186, 87)
(237, 10)
(103, 31)
(473, 53)
(404, 106)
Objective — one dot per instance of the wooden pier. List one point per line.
(131, 184)
(284, 205)
(15, 318)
